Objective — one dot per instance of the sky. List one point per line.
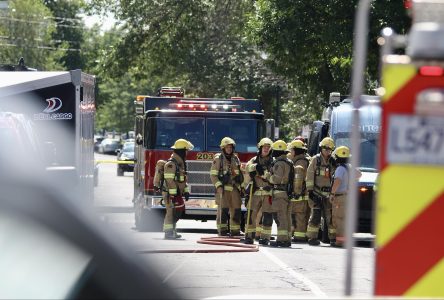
(106, 23)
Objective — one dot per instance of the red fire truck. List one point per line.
(162, 119)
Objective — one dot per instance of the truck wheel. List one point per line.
(149, 221)
(119, 171)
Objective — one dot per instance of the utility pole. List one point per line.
(277, 111)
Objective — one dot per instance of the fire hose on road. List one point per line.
(232, 242)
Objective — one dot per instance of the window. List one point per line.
(168, 130)
(243, 132)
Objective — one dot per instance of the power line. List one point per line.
(42, 47)
(40, 22)
(5, 37)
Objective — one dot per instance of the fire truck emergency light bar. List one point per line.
(235, 104)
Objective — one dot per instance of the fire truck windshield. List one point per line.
(206, 133)
(368, 148)
(244, 133)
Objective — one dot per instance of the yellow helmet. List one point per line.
(279, 145)
(264, 141)
(182, 144)
(342, 152)
(227, 141)
(297, 144)
(327, 143)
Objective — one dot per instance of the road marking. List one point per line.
(298, 276)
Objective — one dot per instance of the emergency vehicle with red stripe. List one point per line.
(170, 115)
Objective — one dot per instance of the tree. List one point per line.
(310, 43)
(25, 31)
(69, 33)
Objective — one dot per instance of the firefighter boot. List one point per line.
(314, 242)
(264, 242)
(283, 244)
(170, 235)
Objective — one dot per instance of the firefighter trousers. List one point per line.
(229, 209)
(255, 206)
(267, 218)
(320, 208)
(338, 216)
(171, 215)
(280, 206)
(300, 213)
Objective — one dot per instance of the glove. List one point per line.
(238, 179)
(267, 188)
(260, 169)
(187, 196)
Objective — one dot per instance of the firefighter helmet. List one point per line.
(327, 143)
(342, 152)
(279, 145)
(182, 144)
(227, 141)
(297, 144)
(264, 141)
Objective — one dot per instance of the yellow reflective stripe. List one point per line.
(214, 172)
(186, 190)
(429, 284)
(234, 227)
(282, 232)
(228, 188)
(167, 227)
(250, 230)
(172, 191)
(218, 184)
(395, 76)
(266, 231)
(182, 178)
(309, 184)
(312, 229)
(299, 234)
(258, 229)
(322, 172)
(297, 200)
(168, 176)
(262, 193)
(222, 226)
(277, 192)
(331, 230)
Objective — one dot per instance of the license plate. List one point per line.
(415, 140)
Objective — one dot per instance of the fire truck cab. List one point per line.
(336, 122)
(162, 119)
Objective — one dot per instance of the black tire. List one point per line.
(149, 221)
(119, 171)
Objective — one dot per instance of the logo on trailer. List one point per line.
(54, 104)
(49, 113)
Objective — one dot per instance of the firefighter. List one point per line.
(261, 189)
(227, 178)
(281, 177)
(339, 189)
(299, 208)
(318, 187)
(175, 180)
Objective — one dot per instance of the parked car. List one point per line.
(108, 146)
(97, 141)
(125, 154)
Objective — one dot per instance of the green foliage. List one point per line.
(26, 29)
(69, 33)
